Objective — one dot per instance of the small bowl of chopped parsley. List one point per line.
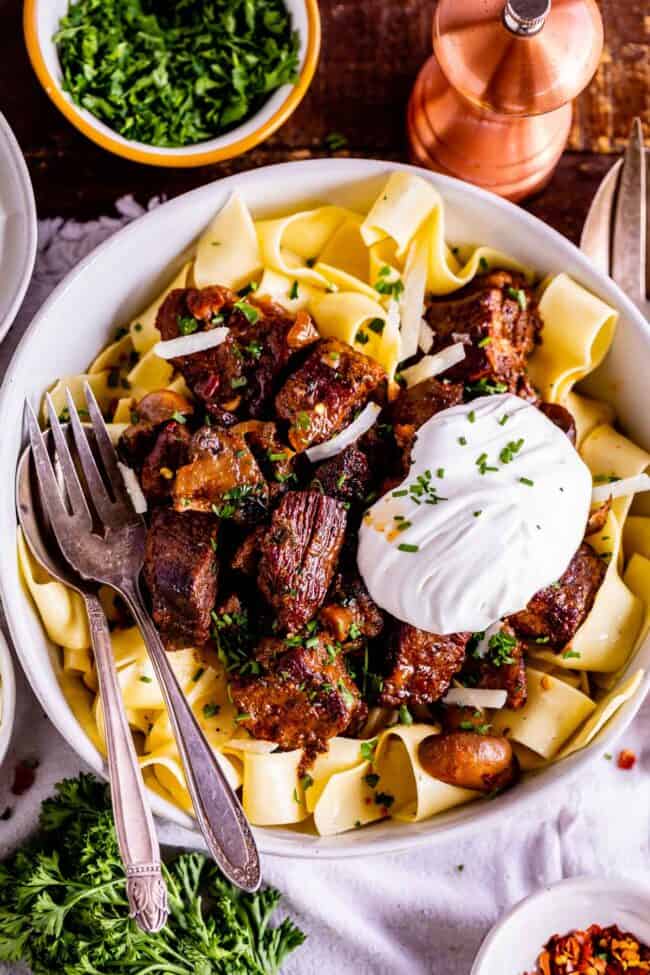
(180, 83)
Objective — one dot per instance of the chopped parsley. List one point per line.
(405, 716)
(175, 74)
(250, 313)
(361, 337)
(335, 141)
(527, 481)
(187, 325)
(519, 296)
(484, 387)
(387, 285)
(210, 710)
(377, 325)
(238, 381)
(293, 291)
(367, 749)
(371, 779)
(462, 441)
(303, 421)
(405, 547)
(145, 679)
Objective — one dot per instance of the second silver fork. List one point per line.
(114, 556)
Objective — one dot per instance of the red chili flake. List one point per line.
(24, 776)
(626, 759)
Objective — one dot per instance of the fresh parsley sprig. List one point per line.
(63, 904)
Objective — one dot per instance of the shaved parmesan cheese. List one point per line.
(433, 365)
(426, 336)
(475, 697)
(190, 344)
(412, 301)
(357, 428)
(133, 488)
(621, 489)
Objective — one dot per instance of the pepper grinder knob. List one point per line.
(526, 17)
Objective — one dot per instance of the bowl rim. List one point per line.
(7, 696)
(584, 882)
(181, 156)
(270, 840)
(28, 209)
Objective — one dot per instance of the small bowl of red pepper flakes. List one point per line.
(607, 925)
(596, 951)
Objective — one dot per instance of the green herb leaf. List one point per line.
(64, 908)
(175, 74)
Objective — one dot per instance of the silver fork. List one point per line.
(136, 833)
(115, 558)
(617, 230)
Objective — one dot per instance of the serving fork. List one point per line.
(105, 542)
(617, 230)
(136, 833)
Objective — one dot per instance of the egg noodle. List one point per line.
(327, 260)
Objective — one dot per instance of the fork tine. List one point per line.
(107, 452)
(47, 483)
(629, 243)
(74, 490)
(94, 480)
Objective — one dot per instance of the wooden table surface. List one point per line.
(371, 53)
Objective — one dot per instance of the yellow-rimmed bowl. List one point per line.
(41, 19)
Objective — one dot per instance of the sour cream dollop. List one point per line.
(493, 509)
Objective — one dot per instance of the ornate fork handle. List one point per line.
(220, 815)
(136, 833)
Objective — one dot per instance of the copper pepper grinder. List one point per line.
(492, 105)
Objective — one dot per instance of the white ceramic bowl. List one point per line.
(7, 697)
(41, 19)
(114, 282)
(512, 946)
(18, 234)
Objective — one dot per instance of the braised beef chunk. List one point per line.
(276, 461)
(413, 407)
(304, 697)
(247, 554)
(496, 317)
(420, 665)
(180, 569)
(562, 418)
(222, 476)
(240, 375)
(299, 555)
(349, 612)
(153, 410)
(346, 476)
(417, 404)
(554, 614)
(501, 668)
(321, 397)
(170, 451)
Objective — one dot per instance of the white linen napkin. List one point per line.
(419, 913)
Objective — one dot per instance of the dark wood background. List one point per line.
(371, 53)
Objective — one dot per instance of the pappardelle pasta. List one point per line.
(390, 548)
